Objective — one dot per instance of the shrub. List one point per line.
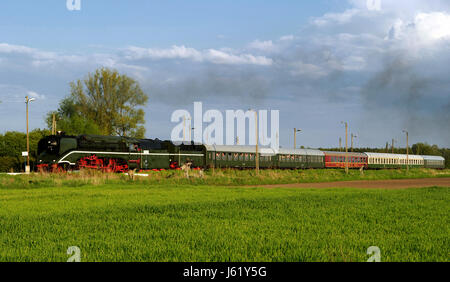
(7, 163)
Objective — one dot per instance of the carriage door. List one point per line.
(145, 159)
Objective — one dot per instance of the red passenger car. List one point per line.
(338, 160)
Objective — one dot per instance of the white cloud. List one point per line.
(407, 8)
(16, 93)
(433, 26)
(425, 30)
(262, 45)
(335, 18)
(8, 48)
(17, 56)
(287, 37)
(35, 95)
(412, 26)
(219, 57)
(353, 63)
(307, 70)
(214, 56)
(175, 52)
(38, 55)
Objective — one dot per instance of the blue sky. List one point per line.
(381, 68)
(199, 24)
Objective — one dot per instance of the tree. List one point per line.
(110, 100)
(425, 149)
(13, 143)
(70, 120)
(446, 154)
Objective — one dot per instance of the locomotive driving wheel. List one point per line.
(103, 164)
(115, 165)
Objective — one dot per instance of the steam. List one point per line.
(245, 86)
(404, 93)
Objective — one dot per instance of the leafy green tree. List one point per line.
(8, 163)
(13, 143)
(107, 99)
(446, 154)
(425, 149)
(70, 120)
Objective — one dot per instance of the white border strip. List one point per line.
(124, 153)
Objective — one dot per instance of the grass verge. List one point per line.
(217, 177)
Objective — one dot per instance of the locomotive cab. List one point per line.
(52, 147)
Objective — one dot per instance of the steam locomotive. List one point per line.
(114, 154)
(120, 154)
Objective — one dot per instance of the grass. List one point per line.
(217, 177)
(143, 221)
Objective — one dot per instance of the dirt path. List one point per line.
(370, 184)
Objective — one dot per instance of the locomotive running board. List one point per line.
(123, 153)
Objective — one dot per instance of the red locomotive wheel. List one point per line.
(105, 165)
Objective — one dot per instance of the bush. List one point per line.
(7, 163)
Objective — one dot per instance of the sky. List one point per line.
(380, 65)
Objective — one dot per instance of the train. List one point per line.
(121, 154)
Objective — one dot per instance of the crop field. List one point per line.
(113, 218)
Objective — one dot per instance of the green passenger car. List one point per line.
(220, 156)
(436, 162)
(300, 158)
(244, 157)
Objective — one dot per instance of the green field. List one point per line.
(124, 220)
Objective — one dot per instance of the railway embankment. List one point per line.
(227, 177)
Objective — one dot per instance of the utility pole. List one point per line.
(353, 136)
(257, 141)
(346, 146)
(54, 125)
(340, 144)
(407, 149)
(393, 141)
(295, 137)
(190, 129)
(27, 168)
(190, 133)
